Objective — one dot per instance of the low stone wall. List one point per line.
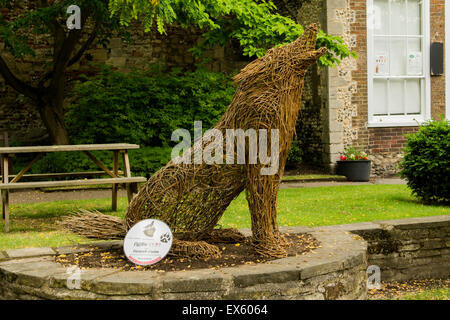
(336, 270)
(404, 249)
(407, 249)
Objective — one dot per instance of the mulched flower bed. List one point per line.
(396, 289)
(233, 254)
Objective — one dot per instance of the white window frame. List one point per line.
(399, 120)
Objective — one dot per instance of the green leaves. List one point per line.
(338, 50)
(253, 23)
(145, 107)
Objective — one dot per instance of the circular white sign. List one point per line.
(147, 242)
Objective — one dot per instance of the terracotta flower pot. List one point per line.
(354, 170)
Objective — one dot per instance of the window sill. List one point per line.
(394, 124)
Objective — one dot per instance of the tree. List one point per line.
(251, 22)
(48, 18)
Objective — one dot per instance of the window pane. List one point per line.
(414, 96)
(396, 95)
(415, 57)
(381, 17)
(415, 44)
(398, 17)
(397, 57)
(380, 97)
(381, 56)
(414, 17)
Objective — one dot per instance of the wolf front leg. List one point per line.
(262, 194)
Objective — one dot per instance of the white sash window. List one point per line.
(398, 62)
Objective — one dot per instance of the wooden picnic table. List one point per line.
(114, 175)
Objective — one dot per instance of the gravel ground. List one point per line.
(32, 196)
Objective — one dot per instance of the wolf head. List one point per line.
(293, 58)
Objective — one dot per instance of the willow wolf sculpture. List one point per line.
(191, 198)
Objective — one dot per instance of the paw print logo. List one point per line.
(165, 238)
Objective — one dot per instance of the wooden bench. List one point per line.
(69, 183)
(115, 176)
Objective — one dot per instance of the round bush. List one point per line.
(426, 164)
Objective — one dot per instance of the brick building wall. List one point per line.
(437, 34)
(384, 145)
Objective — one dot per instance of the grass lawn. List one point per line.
(442, 293)
(33, 225)
(434, 294)
(425, 289)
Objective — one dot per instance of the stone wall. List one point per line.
(407, 249)
(386, 146)
(411, 248)
(311, 125)
(341, 84)
(317, 130)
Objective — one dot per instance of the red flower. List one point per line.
(343, 158)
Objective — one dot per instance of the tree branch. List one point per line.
(63, 57)
(15, 82)
(83, 48)
(59, 37)
(74, 59)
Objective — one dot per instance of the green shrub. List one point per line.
(145, 107)
(426, 164)
(295, 154)
(148, 160)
